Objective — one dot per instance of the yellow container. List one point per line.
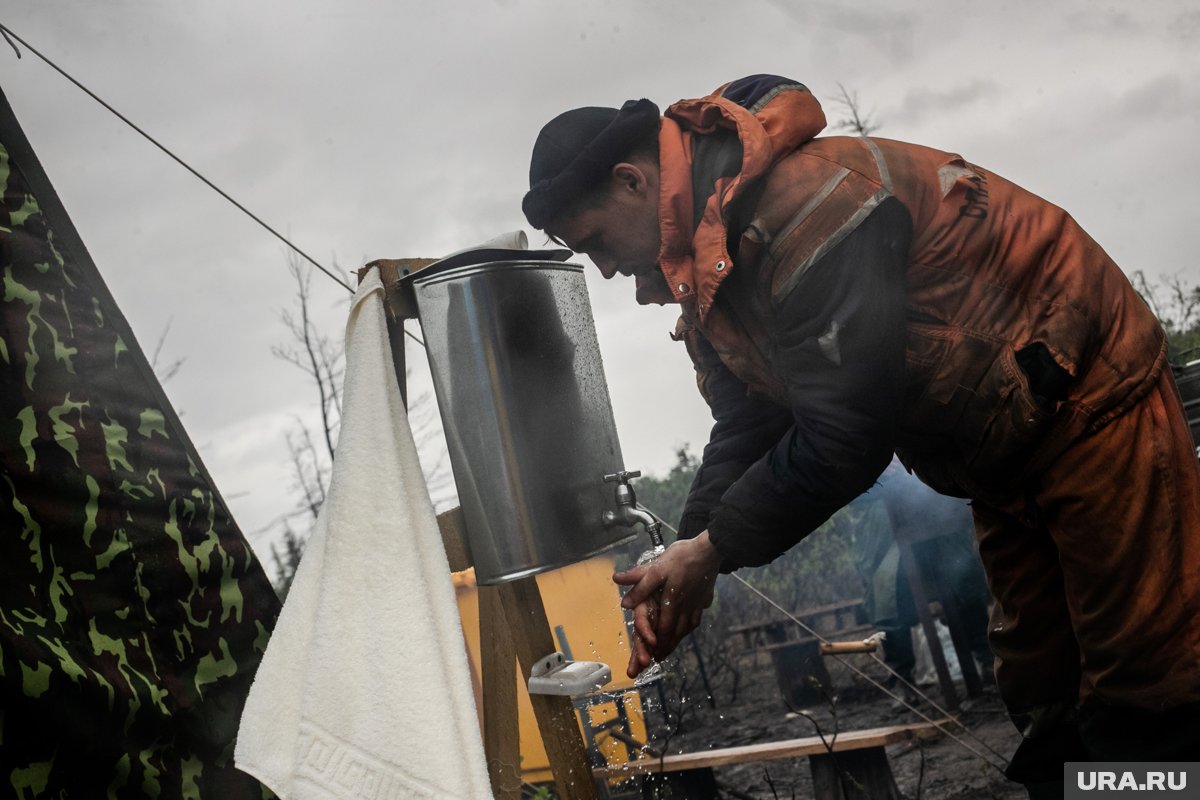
(583, 607)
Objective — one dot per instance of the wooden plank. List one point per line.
(843, 648)
(398, 298)
(395, 328)
(842, 634)
(770, 751)
(829, 608)
(501, 734)
(453, 527)
(530, 630)
(733, 630)
(401, 305)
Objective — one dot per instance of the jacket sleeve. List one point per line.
(745, 428)
(838, 347)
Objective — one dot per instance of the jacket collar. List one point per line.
(696, 262)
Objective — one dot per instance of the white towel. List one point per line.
(364, 691)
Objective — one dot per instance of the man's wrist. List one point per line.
(725, 563)
(708, 552)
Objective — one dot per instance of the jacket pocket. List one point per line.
(1008, 424)
(970, 414)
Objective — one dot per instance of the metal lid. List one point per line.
(483, 255)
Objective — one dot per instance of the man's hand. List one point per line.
(668, 597)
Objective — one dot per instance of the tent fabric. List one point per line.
(132, 611)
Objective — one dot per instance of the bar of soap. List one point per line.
(554, 674)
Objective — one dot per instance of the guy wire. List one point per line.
(939, 724)
(9, 32)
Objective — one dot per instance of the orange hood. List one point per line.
(772, 117)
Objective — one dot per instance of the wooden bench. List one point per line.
(851, 766)
(845, 613)
(856, 633)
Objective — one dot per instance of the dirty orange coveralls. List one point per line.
(1087, 501)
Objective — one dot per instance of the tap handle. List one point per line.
(623, 476)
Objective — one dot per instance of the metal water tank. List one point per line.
(521, 391)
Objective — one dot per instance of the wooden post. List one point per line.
(854, 775)
(513, 627)
(530, 631)
(801, 673)
(501, 734)
(921, 601)
(400, 304)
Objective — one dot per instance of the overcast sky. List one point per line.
(372, 130)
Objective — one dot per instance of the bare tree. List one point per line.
(1173, 300)
(855, 122)
(312, 451)
(287, 561)
(311, 456)
(315, 354)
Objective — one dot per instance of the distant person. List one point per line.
(887, 600)
(941, 533)
(844, 298)
(941, 536)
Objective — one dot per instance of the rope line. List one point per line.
(940, 725)
(414, 337)
(7, 32)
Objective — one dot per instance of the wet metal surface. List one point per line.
(526, 410)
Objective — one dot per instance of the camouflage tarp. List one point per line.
(132, 612)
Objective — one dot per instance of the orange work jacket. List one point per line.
(991, 270)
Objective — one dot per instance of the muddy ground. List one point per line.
(938, 769)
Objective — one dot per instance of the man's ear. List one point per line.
(630, 178)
